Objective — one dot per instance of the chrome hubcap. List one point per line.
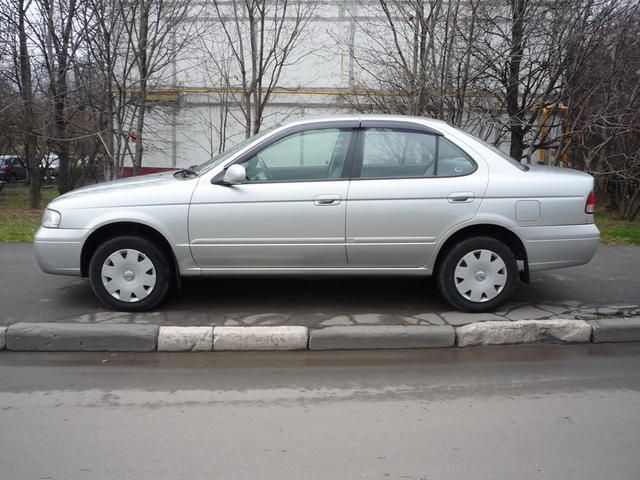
(128, 275)
(480, 275)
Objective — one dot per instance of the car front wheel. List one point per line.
(130, 273)
(478, 274)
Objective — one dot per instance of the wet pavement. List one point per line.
(527, 412)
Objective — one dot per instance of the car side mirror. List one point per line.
(235, 174)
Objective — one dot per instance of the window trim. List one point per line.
(350, 125)
(356, 173)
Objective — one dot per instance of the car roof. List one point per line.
(429, 122)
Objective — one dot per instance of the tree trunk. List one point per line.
(513, 81)
(64, 180)
(137, 161)
(29, 118)
(106, 125)
(143, 70)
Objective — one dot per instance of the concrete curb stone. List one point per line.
(79, 337)
(146, 338)
(375, 336)
(260, 338)
(523, 331)
(615, 330)
(185, 339)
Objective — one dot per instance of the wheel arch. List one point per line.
(494, 230)
(115, 229)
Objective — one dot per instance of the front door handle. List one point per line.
(326, 200)
(461, 197)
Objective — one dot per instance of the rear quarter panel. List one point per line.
(538, 197)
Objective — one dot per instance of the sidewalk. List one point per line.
(514, 312)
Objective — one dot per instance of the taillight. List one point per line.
(590, 207)
(5, 168)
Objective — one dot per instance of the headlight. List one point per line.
(51, 218)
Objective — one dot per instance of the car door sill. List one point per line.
(232, 271)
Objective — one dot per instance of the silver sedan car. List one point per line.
(370, 195)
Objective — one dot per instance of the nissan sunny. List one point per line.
(367, 195)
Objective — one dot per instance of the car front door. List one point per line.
(413, 186)
(289, 214)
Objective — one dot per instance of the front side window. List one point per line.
(225, 155)
(388, 153)
(309, 155)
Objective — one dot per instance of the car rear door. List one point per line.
(289, 214)
(411, 185)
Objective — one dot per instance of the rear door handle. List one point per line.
(461, 197)
(326, 200)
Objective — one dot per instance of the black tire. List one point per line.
(446, 280)
(162, 263)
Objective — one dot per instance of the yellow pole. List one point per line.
(544, 131)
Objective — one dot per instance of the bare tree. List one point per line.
(416, 57)
(14, 20)
(54, 31)
(154, 43)
(603, 104)
(256, 40)
(522, 54)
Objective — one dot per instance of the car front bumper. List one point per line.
(562, 246)
(58, 250)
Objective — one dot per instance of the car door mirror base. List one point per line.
(234, 175)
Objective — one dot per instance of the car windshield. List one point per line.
(497, 151)
(221, 157)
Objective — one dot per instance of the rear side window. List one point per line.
(390, 153)
(452, 161)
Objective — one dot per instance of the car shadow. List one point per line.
(338, 295)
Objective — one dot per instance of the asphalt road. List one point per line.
(27, 294)
(536, 412)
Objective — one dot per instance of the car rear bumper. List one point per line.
(58, 250)
(559, 246)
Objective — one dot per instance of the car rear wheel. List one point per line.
(478, 274)
(130, 273)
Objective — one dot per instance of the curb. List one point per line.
(100, 337)
(616, 330)
(81, 337)
(523, 331)
(260, 338)
(382, 337)
(185, 339)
